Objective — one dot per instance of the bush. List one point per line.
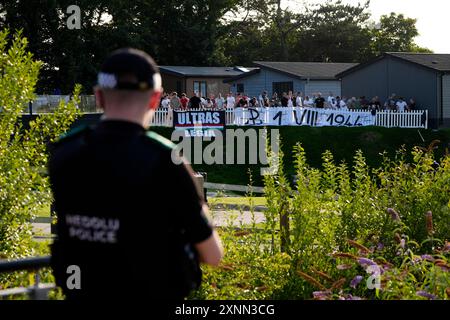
(24, 187)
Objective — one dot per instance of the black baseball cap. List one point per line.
(129, 69)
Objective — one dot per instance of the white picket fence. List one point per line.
(163, 117)
(386, 118)
(407, 119)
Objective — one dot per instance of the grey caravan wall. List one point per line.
(263, 80)
(393, 75)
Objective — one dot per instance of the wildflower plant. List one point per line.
(354, 232)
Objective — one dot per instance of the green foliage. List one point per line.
(353, 233)
(199, 33)
(175, 32)
(395, 33)
(243, 275)
(24, 187)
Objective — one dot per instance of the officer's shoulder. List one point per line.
(160, 141)
(73, 134)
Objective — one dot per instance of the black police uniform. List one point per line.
(124, 212)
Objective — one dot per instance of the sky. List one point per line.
(433, 22)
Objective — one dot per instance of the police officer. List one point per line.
(122, 232)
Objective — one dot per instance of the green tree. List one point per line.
(306, 34)
(334, 32)
(187, 31)
(199, 33)
(172, 31)
(259, 30)
(38, 21)
(395, 33)
(23, 157)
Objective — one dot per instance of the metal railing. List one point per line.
(37, 291)
(48, 104)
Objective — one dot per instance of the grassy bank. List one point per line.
(343, 142)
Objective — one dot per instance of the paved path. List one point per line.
(236, 218)
(41, 228)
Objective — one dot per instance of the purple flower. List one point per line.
(427, 257)
(364, 262)
(426, 295)
(402, 243)
(321, 295)
(356, 280)
(416, 260)
(380, 246)
(394, 214)
(350, 297)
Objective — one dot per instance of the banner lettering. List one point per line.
(298, 116)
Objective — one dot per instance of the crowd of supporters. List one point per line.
(285, 99)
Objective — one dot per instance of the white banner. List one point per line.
(299, 116)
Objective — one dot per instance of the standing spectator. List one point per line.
(175, 101)
(284, 100)
(165, 103)
(209, 103)
(242, 103)
(231, 101)
(266, 100)
(195, 101)
(275, 99)
(333, 103)
(262, 98)
(238, 98)
(291, 100)
(330, 99)
(375, 104)
(401, 105)
(350, 103)
(184, 101)
(203, 102)
(412, 104)
(391, 102)
(319, 101)
(342, 104)
(254, 103)
(364, 102)
(308, 102)
(299, 100)
(220, 101)
(213, 100)
(246, 97)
